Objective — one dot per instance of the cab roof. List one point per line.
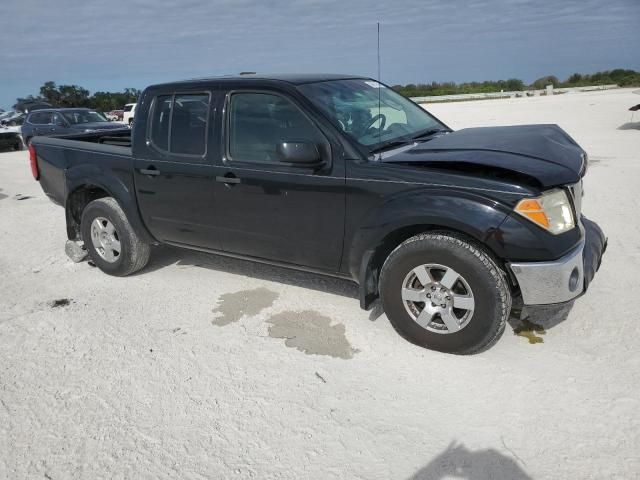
(291, 78)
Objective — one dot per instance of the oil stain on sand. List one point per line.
(234, 306)
(311, 333)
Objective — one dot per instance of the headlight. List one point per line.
(552, 211)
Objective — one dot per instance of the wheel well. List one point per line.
(76, 203)
(394, 239)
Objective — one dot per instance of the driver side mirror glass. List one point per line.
(299, 152)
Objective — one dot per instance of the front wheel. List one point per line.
(444, 293)
(109, 239)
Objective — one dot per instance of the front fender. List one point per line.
(122, 190)
(413, 212)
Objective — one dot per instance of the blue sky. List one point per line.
(113, 44)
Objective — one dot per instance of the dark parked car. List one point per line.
(60, 121)
(343, 176)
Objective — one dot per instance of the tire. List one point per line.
(132, 254)
(480, 289)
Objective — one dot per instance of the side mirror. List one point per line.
(301, 153)
(60, 123)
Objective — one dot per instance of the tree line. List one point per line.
(76, 96)
(621, 77)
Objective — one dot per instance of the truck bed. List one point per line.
(64, 160)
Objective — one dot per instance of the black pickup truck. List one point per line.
(337, 175)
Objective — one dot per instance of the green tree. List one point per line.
(76, 96)
(575, 78)
(73, 96)
(50, 92)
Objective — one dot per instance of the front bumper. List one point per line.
(562, 280)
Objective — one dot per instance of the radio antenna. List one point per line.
(379, 90)
(378, 51)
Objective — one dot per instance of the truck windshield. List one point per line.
(75, 117)
(370, 113)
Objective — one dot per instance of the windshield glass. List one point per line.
(75, 117)
(352, 105)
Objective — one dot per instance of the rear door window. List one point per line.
(41, 118)
(160, 121)
(179, 123)
(189, 124)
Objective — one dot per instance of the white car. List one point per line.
(11, 137)
(129, 112)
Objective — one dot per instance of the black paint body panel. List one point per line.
(330, 219)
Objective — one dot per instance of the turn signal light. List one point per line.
(551, 211)
(533, 210)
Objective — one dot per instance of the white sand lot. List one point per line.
(173, 373)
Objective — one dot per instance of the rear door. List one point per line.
(269, 209)
(173, 175)
(41, 123)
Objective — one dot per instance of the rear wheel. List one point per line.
(445, 293)
(109, 239)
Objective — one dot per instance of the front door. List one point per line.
(60, 125)
(173, 174)
(269, 209)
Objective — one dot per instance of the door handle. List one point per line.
(229, 179)
(153, 171)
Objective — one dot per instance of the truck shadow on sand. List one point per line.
(163, 256)
(531, 324)
(630, 126)
(457, 461)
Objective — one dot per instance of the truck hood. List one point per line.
(542, 154)
(97, 126)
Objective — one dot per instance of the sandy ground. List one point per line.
(205, 367)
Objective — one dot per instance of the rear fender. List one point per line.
(84, 184)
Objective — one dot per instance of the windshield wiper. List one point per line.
(428, 133)
(407, 141)
(390, 145)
